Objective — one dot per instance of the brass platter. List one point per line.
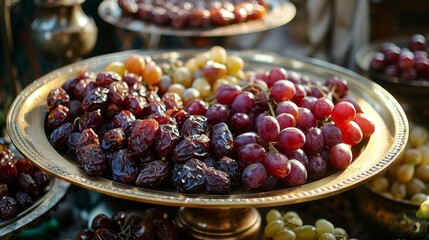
(25, 125)
(281, 13)
(48, 201)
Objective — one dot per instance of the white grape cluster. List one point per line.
(289, 226)
(408, 178)
(200, 76)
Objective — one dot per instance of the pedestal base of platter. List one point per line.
(219, 223)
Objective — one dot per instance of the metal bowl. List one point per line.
(26, 127)
(397, 217)
(413, 95)
(44, 204)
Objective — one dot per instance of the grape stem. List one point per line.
(267, 95)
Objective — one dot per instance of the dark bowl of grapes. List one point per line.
(401, 66)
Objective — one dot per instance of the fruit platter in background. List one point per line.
(194, 14)
(147, 224)
(401, 66)
(147, 125)
(209, 125)
(23, 188)
(197, 18)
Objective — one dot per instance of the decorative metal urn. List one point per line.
(62, 31)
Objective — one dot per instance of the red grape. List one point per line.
(366, 124)
(277, 164)
(305, 119)
(322, 108)
(243, 103)
(217, 113)
(316, 167)
(287, 107)
(351, 133)
(268, 128)
(254, 175)
(276, 73)
(251, 153)
(286, 120)
(340, 155)
(314, 141)
(282, 90)
(290, 139)
(331, 134)
(226, 93)
(343, 112)
(297, 175)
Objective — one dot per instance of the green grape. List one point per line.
(183, 76)
(218, 54)
(398, 190)
(424, 149)
(340, 232)
(324, 226)
(423, 211)
(176, 88)
(418, 198)
(272, 215)
(412, 155)
(293, 222)
(422, 172)
(285, 234)
(290, 214)
(274, 227)
(405, 172)
(306, 232)
(326, 236)
(190, 94)
(418, 135)
(203, 86)
(234, 64)
(380, 184)
(415, 186)
(201, 59)
(191, 65)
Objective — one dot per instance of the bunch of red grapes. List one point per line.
(278, 125)
(408, 63)
(152, 224)
(20, 183)
(194, 14)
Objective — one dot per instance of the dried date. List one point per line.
(166, 139)
(194, 125)
(153, 174)
(196, 146)
(123, 167)
(192, 177)
(92, 159)
(221, 140)
(142, 137)
(114, 139)
(59, 135)
(217, 181)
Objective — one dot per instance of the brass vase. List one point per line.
(62, 31)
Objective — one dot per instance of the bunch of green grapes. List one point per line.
(408, 178)
(289, 226)
(200, 76)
